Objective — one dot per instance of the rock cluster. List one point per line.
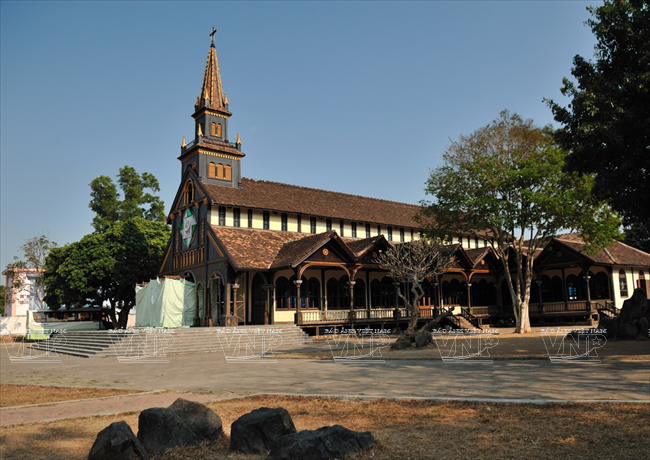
(186, 423)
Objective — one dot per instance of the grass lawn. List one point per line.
(403, 430)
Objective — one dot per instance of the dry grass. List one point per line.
(509, 346)
(18, 395)
(403, 429)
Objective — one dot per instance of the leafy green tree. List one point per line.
(102, 269)
(35, 251)
(606, 126)
(505, 182)
(135, 200)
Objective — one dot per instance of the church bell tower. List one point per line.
(211, 155)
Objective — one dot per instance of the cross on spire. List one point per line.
(214, 31)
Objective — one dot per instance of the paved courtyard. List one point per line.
(517, 379)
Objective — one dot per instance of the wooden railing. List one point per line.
(465, 313)
(607, 307)
(315, 316)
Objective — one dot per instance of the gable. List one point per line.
(190, 191)
(557, 253)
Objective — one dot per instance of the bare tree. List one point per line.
(35, 250)
(411, 264)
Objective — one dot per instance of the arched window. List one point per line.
(312, 293)
(188, 192)
(338, 294)
(220, 174)
(227, 172)
(572, 287)
(428, 298)
(622, 283)
(483, 293)
(359, 294)
(216, 129)
(334, 295)
(216, 298)
(456, 293)
(283, 293)
(212, 170)
(375, 293)
(387, 292)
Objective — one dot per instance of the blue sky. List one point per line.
(357, 97)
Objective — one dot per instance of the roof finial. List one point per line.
(214, 31)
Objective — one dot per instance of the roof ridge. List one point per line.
(611, 257)
(330, 191)
(632, 247)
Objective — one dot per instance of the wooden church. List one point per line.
(262, 252)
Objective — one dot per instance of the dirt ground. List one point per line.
(403, 430)
(38, 394)
(536, 345)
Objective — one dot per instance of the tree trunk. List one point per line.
(124, 317)
(523, 322)
(413, 321)
(434, 322)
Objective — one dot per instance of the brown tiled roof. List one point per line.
(253, 249)
(274, 196)
(221, 146)
(476, 254)
(360, 247)
(616, 254)
(292, 252)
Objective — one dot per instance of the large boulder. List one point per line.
(424, 339)
(328, 442)
(160, 429)
(402, 344)
(255, 432)
(117, 442)
(632, 322)
(203, 421)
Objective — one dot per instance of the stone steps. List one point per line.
(232, 340)
(463, 323)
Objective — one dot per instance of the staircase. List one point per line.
(460, 322)
(283, 338)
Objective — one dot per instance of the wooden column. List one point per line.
(351, 315)
(298, 319)
(587, 277)
(228, 318)
(268, 290)
(235, 317)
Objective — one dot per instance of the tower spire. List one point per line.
(212, 92)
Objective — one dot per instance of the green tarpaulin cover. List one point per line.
(165, 302)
